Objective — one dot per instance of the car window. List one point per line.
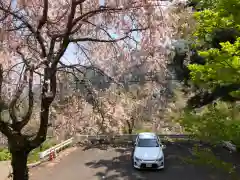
(148, 143)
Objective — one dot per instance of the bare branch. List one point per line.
(25, 61)
(49, 86)
(43, 20)
(4, 127)
(80, 1)
(91, 94)
(27, 117)
(51, 49)
(23, 58)
(65, 41)
(76, 67)
(105, 9)
(105, 40)
(95, 12)
(13, 102)
(11, 69)
(29, 26)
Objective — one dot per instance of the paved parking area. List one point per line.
(115, 164)
(5, 168)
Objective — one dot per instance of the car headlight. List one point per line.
(159, 159)
(137, 159)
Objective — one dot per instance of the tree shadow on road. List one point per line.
(120, 167)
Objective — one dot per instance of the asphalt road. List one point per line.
(115, 164)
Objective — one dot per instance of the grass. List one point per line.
(33, 156)
(206, 157)
(136, 131)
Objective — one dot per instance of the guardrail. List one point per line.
(129, 138)
(56, 148)
(230, 146)
(124, 137)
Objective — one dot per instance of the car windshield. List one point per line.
(147, 143)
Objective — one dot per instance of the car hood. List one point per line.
(148, 153)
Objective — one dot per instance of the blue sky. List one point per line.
(101, 2)
(71, 51)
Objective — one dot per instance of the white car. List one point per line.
(148, 151)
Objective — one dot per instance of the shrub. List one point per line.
(33, 156)
(4, 154)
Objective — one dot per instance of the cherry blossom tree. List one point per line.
(37, 34)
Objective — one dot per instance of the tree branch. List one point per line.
(68, 30)
(92, 67)
(29, 26)
(51, 48)
(49, 83)
(220, 92)
(91, 96)
(27, 117)
(85, 16)
(105, 40)
(79, 1)
(4, 127)
(43, 20)
(12, 105)
(94, 12)
(103, 9)
(47, 96)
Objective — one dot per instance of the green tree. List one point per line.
(222, 54)
(217, 39)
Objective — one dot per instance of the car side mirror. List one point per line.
(163, 146)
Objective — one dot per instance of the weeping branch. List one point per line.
(4, 126)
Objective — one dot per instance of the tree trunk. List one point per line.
(130, 125)
(19, 165)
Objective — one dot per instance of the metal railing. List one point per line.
(123, 138)
(230, 146)
(56, 148)
(126, 138)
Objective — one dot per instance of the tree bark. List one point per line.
(19, 165)
(130, 125)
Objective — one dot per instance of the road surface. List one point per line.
(115, 164)
(5, 168)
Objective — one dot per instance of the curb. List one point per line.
(32, 165)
